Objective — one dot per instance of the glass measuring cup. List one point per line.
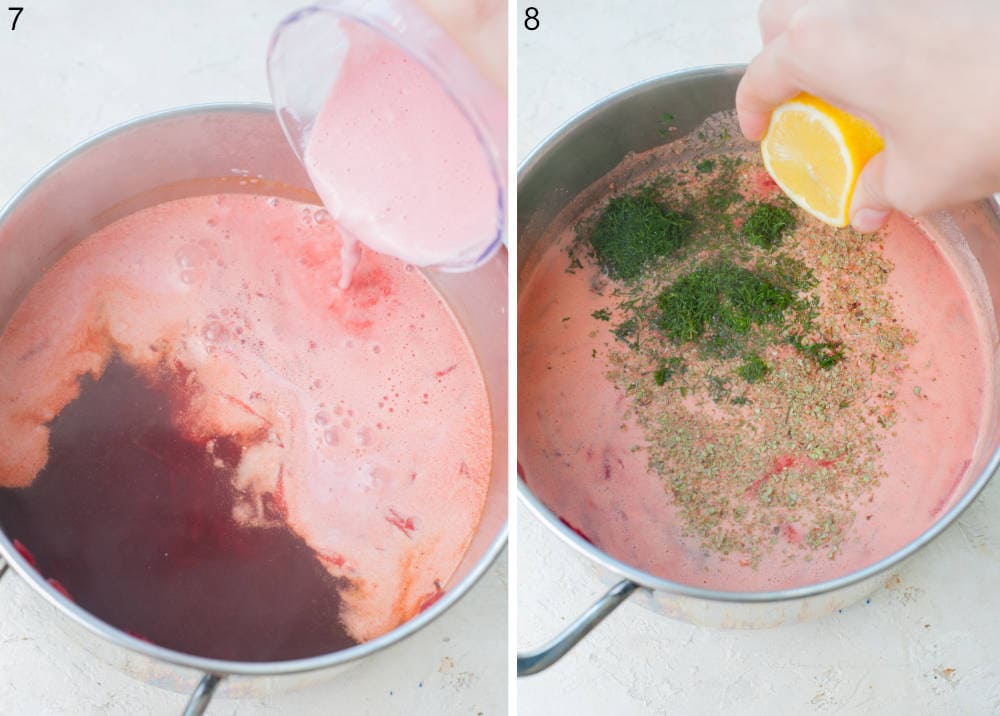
(403, 138)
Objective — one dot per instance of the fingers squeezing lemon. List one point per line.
(815, 152)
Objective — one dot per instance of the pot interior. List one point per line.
(232, 149)
(607, 150)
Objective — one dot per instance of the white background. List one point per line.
(73, 68)
(927, 645)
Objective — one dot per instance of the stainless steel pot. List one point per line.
(580, 153)
(184, 152)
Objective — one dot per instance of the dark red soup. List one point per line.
(134, 521)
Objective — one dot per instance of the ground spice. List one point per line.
(760, 353)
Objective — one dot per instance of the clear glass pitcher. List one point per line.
(388, 115)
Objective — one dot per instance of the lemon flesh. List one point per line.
(815, 152)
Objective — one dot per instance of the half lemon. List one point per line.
(815, 153)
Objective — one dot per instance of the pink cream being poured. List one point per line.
(397, 162)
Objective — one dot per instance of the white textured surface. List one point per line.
(69, 70)
(926, 644)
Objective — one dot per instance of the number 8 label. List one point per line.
(531, 18)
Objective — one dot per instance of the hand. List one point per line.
(479, 27)
(923, 72)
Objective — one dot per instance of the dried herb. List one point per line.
(668, 369)
(826, 353)
(626, 330)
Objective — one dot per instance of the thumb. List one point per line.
(479, 28)
(869, 209)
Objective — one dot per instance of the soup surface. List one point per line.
(720, 390)
(212, 446)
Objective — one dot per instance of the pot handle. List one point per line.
(202, 694)
(531, 662)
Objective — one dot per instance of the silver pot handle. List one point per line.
(202, 695)
(531, 662)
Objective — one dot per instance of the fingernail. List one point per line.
(869, 220)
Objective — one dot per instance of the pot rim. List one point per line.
(221, 667)
(650, 581)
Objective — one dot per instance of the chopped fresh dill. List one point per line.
(666, 119)
(719, 295)
(753, 369)
(722, 201)
(632, 230)
(726, 300)
(767, 224)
